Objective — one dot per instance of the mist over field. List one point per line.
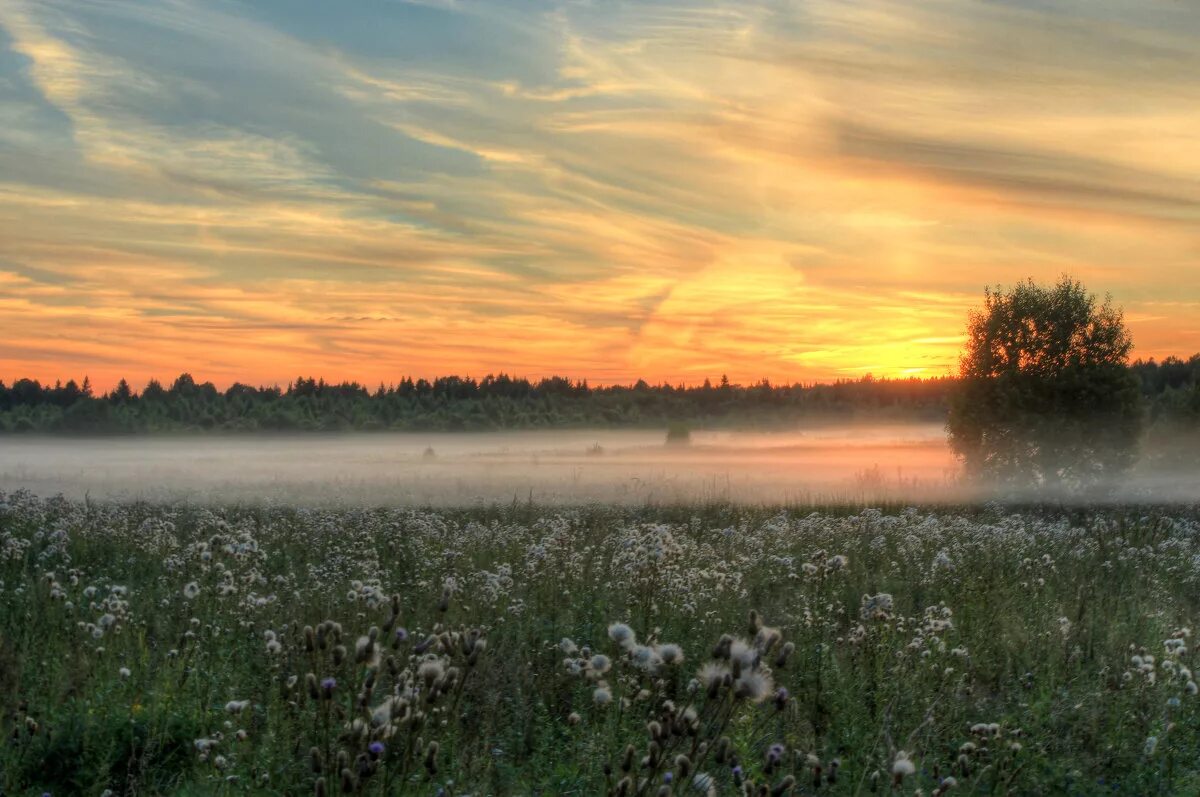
(842, 462)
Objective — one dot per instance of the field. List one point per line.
(521, 649)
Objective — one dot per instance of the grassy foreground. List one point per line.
(521, 650)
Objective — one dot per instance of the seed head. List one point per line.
(671, 654)
(753, 686)
(622, 634)
(902, 766)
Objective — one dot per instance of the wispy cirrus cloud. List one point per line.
(663, 189)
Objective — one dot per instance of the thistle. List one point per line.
(901, 768)
(431, 758)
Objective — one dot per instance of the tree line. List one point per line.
(1170, 390)
(453, 403)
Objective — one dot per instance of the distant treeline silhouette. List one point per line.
(452, 403)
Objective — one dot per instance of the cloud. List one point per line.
(659, 189)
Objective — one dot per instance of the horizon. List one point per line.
(715, 382)
(796, 192)
(137, 388)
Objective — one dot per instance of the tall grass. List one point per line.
(671, 650)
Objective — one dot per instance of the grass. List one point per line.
(180, 649)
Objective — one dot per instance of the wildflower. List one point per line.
(622, 634)
(876, 607)
(191, 590)
(742, 654)
(766, 638)
(946, 785)
(835, 563)
(364, 648)
(574, 719)
(671, 654)
(753, 686)
(430, 671)
(600, 664)
(712, 677)
(645, 658)
(902, 766)
(328, 684)
(1151, 745)
(785, 786)
(274, 647)
(401, 634)
(568, 647)
(124, 672)
(602, 696)
(375, 749)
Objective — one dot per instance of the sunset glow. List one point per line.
(800, 191)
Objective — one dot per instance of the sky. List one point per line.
(801, 191)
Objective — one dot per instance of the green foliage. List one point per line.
(453, 404)
(1046, 397)
(1029, 652)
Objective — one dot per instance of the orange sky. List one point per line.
(799, 191)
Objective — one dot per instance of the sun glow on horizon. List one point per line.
(800, 192)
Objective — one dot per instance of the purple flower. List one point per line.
(668, 777)
(737, 773)
(401, 634)
(375, 749)
(328, 684)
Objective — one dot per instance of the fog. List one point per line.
(852, 463)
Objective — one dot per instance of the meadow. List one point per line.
(153, 648)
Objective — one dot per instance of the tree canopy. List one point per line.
(1046, 395)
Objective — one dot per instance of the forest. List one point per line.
(1170, 389)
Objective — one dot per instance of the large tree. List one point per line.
(1046, 397)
